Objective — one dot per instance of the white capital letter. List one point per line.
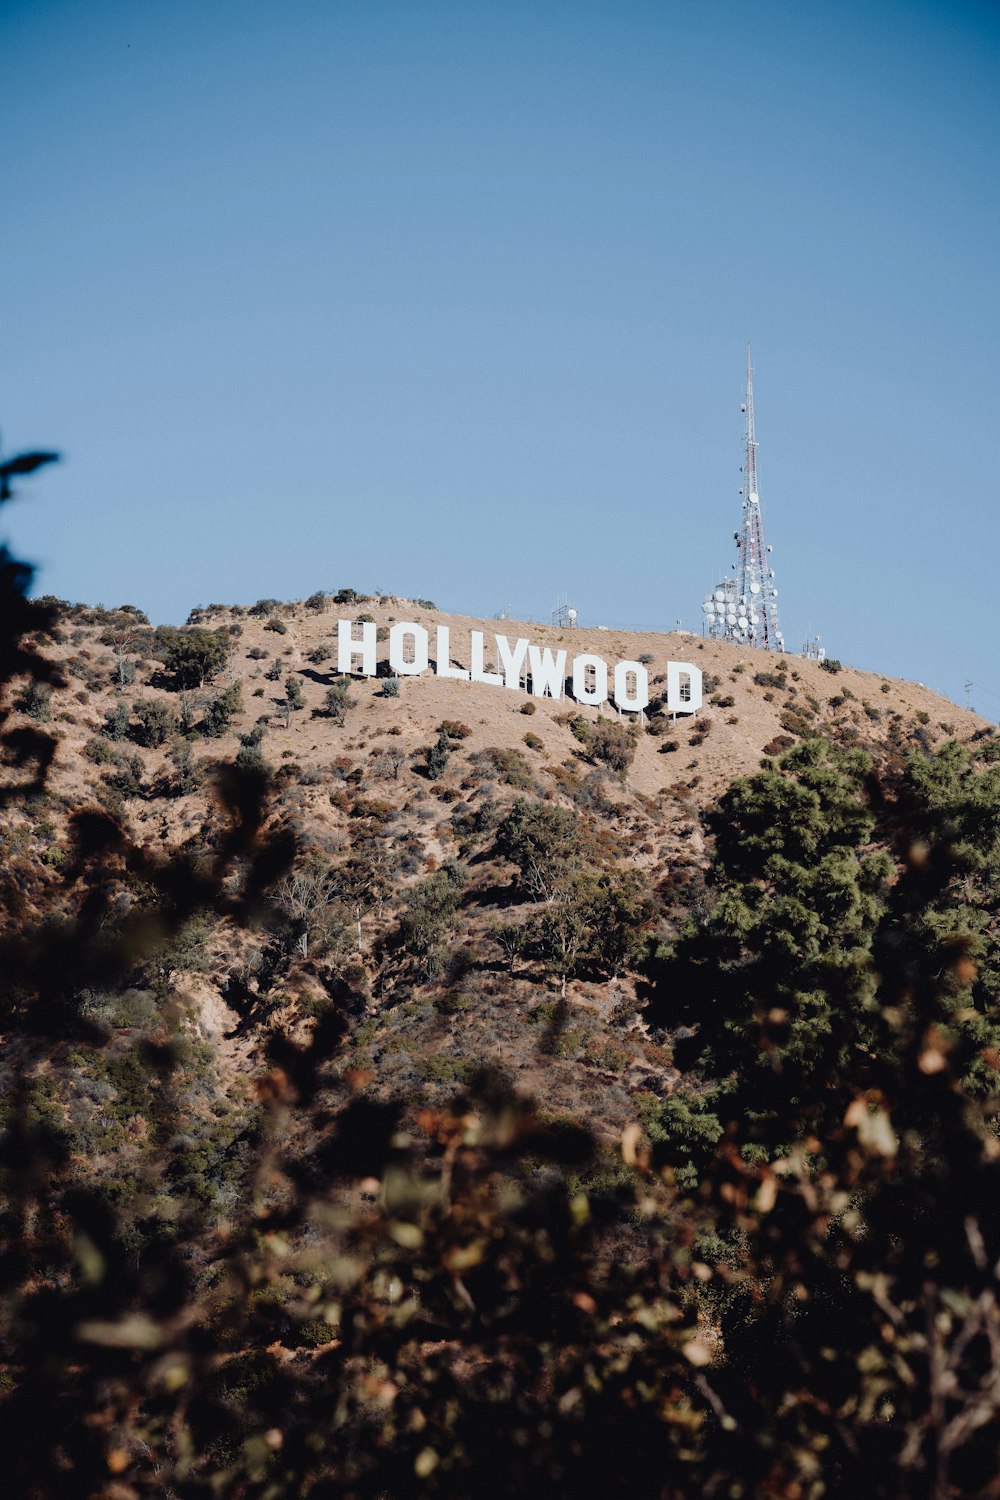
(548, 672)
(623, 671)
(479, 674)
(421, 653)
(584, 693)
(443, 649)
(511, 661)
(683, 687)
(348, 647)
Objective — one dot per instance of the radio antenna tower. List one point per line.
(744, 609)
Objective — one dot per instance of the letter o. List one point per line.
(421, 650)
(632, 703)
(582, 692)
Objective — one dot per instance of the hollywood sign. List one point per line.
(523, 667)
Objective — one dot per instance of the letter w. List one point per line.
(548, 672)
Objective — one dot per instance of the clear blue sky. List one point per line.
(453, 300)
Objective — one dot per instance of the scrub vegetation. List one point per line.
(398, 1105)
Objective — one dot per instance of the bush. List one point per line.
(222, 710)
(36, 701)
(510, 767)
(116, 721)
(196, 657)
(614, 744)
(337, 700)
(294, 696)
(155, 722)
(437, 756)
(273, 673)
(390, 688)
(454, 730)
(831, 664)
(277, 626)
(534, 741)
(528, 708)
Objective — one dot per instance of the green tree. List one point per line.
(428, 911)
(155, 722)
(543, 841)
(337, 700)
(196, 657)
(222, 710)
(116, 721)
(776, 983)
(438, 756)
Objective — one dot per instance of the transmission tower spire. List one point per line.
(744, 608)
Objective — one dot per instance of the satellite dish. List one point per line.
(754, 498)
(708, 607)
(755, 587)
(571, 614)
(774, 593)
(720, 594)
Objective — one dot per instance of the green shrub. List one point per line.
(155, 722)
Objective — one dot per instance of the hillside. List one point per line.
(348, 787)
(412, 1086)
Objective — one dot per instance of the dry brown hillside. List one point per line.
(357, 797)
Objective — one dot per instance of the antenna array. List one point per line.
(744, 608)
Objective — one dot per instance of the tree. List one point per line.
(294, 696)
(222, 710)
(543, 841)
(776, 984)
(306, 895)
(155, 722)
(337, 700)
(196, 657)
(428, 909)
(438, 756)
(116, 722)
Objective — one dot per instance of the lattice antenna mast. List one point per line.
(745, 608)
(755, 578)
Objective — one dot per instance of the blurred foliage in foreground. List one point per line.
(786, 1287)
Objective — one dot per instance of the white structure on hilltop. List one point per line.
(744, 608)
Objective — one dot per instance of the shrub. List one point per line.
(277, 626)
(454, 730)
(831, 664)
(196, 656)
(390, 688)
(36, 701)
(437, 756)
(614, 744)
(222, 710)
(294, 696)
(256, 654)
(99, 751)
(320, 653)
(155, 722)
(534, 741)
(528, 708)
(116, 720)
(337, 700)
(509, 765)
